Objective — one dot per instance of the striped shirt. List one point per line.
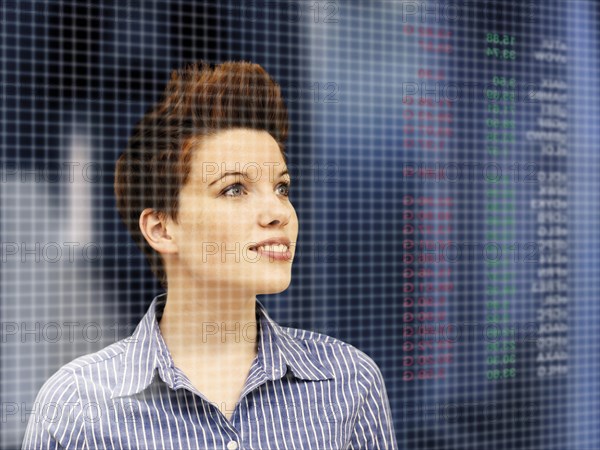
(304, 390)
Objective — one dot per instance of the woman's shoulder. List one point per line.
(88, 367)
(61, 400)
(103, 356)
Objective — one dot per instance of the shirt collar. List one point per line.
(279, 348)
(146, 351)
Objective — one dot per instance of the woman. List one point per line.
(203, 189)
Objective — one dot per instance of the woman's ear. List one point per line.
(153, 225)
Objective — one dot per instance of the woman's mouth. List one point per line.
(277, 252)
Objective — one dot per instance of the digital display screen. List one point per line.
(446, 168)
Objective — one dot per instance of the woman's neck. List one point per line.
(210, 324)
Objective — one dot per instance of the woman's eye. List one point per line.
(237, 189)
(233, 188)
(286, 187)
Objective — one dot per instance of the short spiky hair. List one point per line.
(198, 102)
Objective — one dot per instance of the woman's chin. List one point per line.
(272, 285)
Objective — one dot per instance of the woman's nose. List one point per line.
(274, 211)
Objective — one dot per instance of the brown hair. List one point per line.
(197, 102)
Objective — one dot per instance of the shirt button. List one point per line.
(232, 445)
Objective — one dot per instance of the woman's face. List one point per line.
(221, 217)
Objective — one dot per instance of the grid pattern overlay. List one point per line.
(445, 173)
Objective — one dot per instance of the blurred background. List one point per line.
(446, 168)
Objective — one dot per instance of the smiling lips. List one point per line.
(277, 249)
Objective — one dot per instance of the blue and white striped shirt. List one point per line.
(305, 390)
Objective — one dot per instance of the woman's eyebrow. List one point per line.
(235, 172)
